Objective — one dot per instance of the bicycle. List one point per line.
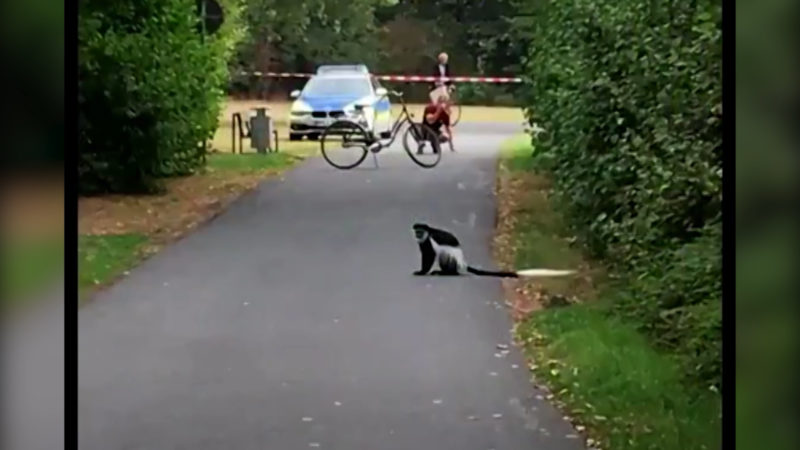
(345, 134)
(455, 107)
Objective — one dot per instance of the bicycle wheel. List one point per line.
(455, 110)
(344, 144)
(422, 145)
(455, 107)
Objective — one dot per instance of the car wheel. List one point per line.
(295, 137)
(313, 137)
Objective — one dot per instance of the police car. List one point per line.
(332, 94)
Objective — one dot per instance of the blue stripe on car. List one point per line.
(382, 105)
(339, 102)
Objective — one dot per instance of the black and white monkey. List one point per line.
(441, 246)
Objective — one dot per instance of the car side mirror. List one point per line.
(381, 92)
(294, 94)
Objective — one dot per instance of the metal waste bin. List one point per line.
(260, 130)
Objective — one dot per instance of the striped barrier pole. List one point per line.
(404, 78)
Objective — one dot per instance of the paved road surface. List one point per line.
(292, 321)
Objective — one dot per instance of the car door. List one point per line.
(383, 109)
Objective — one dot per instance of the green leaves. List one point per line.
(629, 93)
(149, 91)
(287, 34)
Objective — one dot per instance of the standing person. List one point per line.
(442, 69)
(437, 116)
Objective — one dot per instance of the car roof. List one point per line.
(343, 76)
(342, 68)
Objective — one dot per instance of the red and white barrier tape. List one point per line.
(415, 78)
(407, 78)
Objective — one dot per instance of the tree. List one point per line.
(302, 34)
(149, 90)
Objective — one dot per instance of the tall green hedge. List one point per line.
(630, 97)
(150, 90)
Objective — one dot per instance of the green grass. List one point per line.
(612, 380)
(603, 372)
(249, 162)
(279, 111)
(28, 266)
(516, 153)
(539, 239)
(103, 258)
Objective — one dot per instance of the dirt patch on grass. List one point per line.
(529, 235)
(522, 296)
(32, 206)
(32, 227)
(187, 202)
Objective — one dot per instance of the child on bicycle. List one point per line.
(437, 116)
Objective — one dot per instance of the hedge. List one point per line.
(149, 90)
(630, 97)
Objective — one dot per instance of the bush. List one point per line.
(149, 91)
(676, 301)
(487, 95)
(629, 94)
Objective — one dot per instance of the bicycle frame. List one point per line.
(404, 117)
(368, 142)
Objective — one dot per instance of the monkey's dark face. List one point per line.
(420, 232)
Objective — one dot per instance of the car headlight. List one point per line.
(300, 108)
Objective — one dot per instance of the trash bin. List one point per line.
(260, 130)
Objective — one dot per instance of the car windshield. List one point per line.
(323, 86)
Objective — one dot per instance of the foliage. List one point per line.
(291, 35)
(630, 97)
(677, 299)
(604, 373)
(149, 91)
(32, 41)
(487, 94)
(390, 36)
(478, 35)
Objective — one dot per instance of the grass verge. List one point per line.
(32, 223)
(249, 162)
(117, 231)
(617, 389)
(28, 267)
(103, 258)
(280, 113)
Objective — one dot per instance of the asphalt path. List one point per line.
(293, 321)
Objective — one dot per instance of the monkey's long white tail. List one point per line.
(539, 273)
